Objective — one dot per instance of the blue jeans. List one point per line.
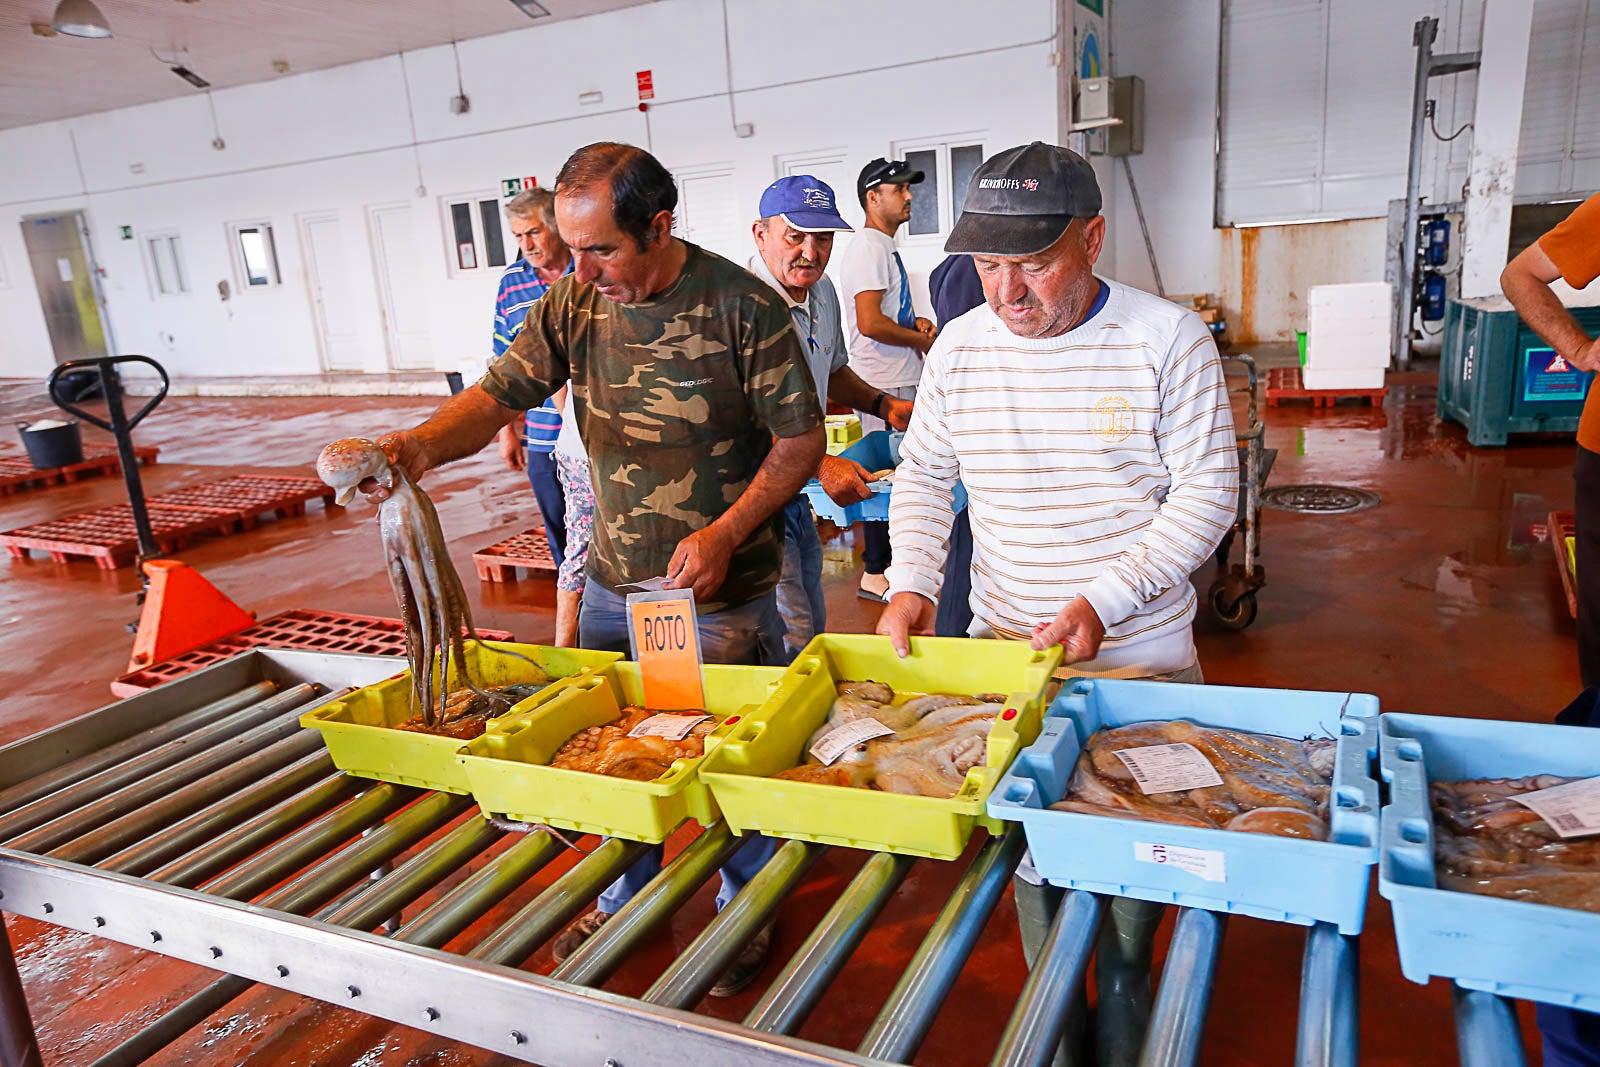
(750, 634)
(954, 617)
(800, 601)
(552, 502)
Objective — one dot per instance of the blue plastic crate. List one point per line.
(1510, 947)
(1279, 878)
(876, 451)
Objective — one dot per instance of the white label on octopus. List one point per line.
(841, 739)
(1169, 768)
(672, 727)
(1200, 862)
(1572, 810)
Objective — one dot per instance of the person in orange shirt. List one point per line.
(1571, 251)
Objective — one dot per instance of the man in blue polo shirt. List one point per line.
(544, 259)
(794, 240)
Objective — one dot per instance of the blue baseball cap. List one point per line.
(805, 202)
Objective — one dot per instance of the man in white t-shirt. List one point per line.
(887, 338)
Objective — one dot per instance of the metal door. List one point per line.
(338, 320)
(68, 282)
(405, 322)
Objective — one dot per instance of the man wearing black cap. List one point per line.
(887, 339)
(1091, 427)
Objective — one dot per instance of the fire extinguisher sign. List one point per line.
(1548, 377)
(647, 85)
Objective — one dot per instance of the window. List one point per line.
(1559, 153)
(164, 254)
(257, 254)
(947, 166)
(476, 231)
(709, 214)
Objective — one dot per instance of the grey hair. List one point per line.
(531, 202)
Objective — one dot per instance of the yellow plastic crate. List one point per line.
(843, 431)
(507, 768)
(359, 730)
(774, 740)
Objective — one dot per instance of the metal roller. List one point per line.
(596, 959)
(697, 969)
(196, 764)
(1329, 1034)
(1178, 1020)
(191, 868)
(796, 990)
(907, 1016)
(1056, 980)
(139, 745)
(559, 904)
(179, 837)
(75, 796)
(1487, 1033)
(469, 901)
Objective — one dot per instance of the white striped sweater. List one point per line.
(1101, 462)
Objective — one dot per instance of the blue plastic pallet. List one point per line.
(876, 451)
(1278, 878)
(1510, 947)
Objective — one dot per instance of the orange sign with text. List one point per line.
(666, 644)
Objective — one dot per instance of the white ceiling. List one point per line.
(229, 42)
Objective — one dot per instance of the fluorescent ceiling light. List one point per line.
(80, 18)
(532, 8)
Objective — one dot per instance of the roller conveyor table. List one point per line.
(280, 874)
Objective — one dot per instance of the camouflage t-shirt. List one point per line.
(677, 399)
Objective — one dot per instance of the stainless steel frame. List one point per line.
(348, 856)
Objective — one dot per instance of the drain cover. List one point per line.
(1319, 499)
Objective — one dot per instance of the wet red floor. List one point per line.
(1440, 600)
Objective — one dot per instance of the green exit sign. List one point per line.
(127, 233)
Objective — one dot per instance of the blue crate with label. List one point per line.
(1284, 879)
(878, 451)
(1514, 948)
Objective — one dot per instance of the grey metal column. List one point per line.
(599, 956)
(791, 996)
(1329, 1032)
(697, 969)
(537, 922)
(905, 1019)
(1122, 979)
(1487, 1032)
(1054, 983)
(18, 1045)
(1178, 1020)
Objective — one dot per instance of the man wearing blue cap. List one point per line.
(794, 240)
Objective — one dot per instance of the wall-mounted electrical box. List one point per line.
(1115, 105)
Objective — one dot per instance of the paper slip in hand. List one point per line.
(671, 727)
(841, 739)
(648, 585)
(1169, 768)
(1572, 810)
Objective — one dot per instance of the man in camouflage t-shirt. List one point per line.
(693, 401)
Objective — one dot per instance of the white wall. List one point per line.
(341, 141)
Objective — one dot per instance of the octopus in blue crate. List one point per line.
(1486, 841)
(433, 604)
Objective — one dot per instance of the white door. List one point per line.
(328, 281)
(709, 215)
(405, 325)
(833, 167)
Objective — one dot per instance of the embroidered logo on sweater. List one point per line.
(1112, 419)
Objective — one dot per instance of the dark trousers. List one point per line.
(552, 501)
(955, 599)
(875, 547)
(1586, 513)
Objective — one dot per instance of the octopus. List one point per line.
(937, 739)
(607, 748)
(1486, 842)
(466, 714)
(1270, 785)
(433, 604)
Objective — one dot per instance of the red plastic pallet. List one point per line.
(1285, 383)
(18, 474)
(1562, 526)
(247, 497)
(529, 550)
(305, 629)
(108, 536)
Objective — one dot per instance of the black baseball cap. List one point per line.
(1022, 200)
(886, 172)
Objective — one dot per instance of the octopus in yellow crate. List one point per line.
(433, 604)
(1268, 785)
(937, 738)
(607, 749)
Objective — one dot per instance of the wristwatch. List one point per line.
(877, 404)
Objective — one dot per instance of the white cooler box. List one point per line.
(1347, 336)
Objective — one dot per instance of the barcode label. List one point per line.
(841, 739)
(671, 727)
(1169, 768)
(1572, 809)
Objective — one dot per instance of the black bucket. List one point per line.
(52, 446)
